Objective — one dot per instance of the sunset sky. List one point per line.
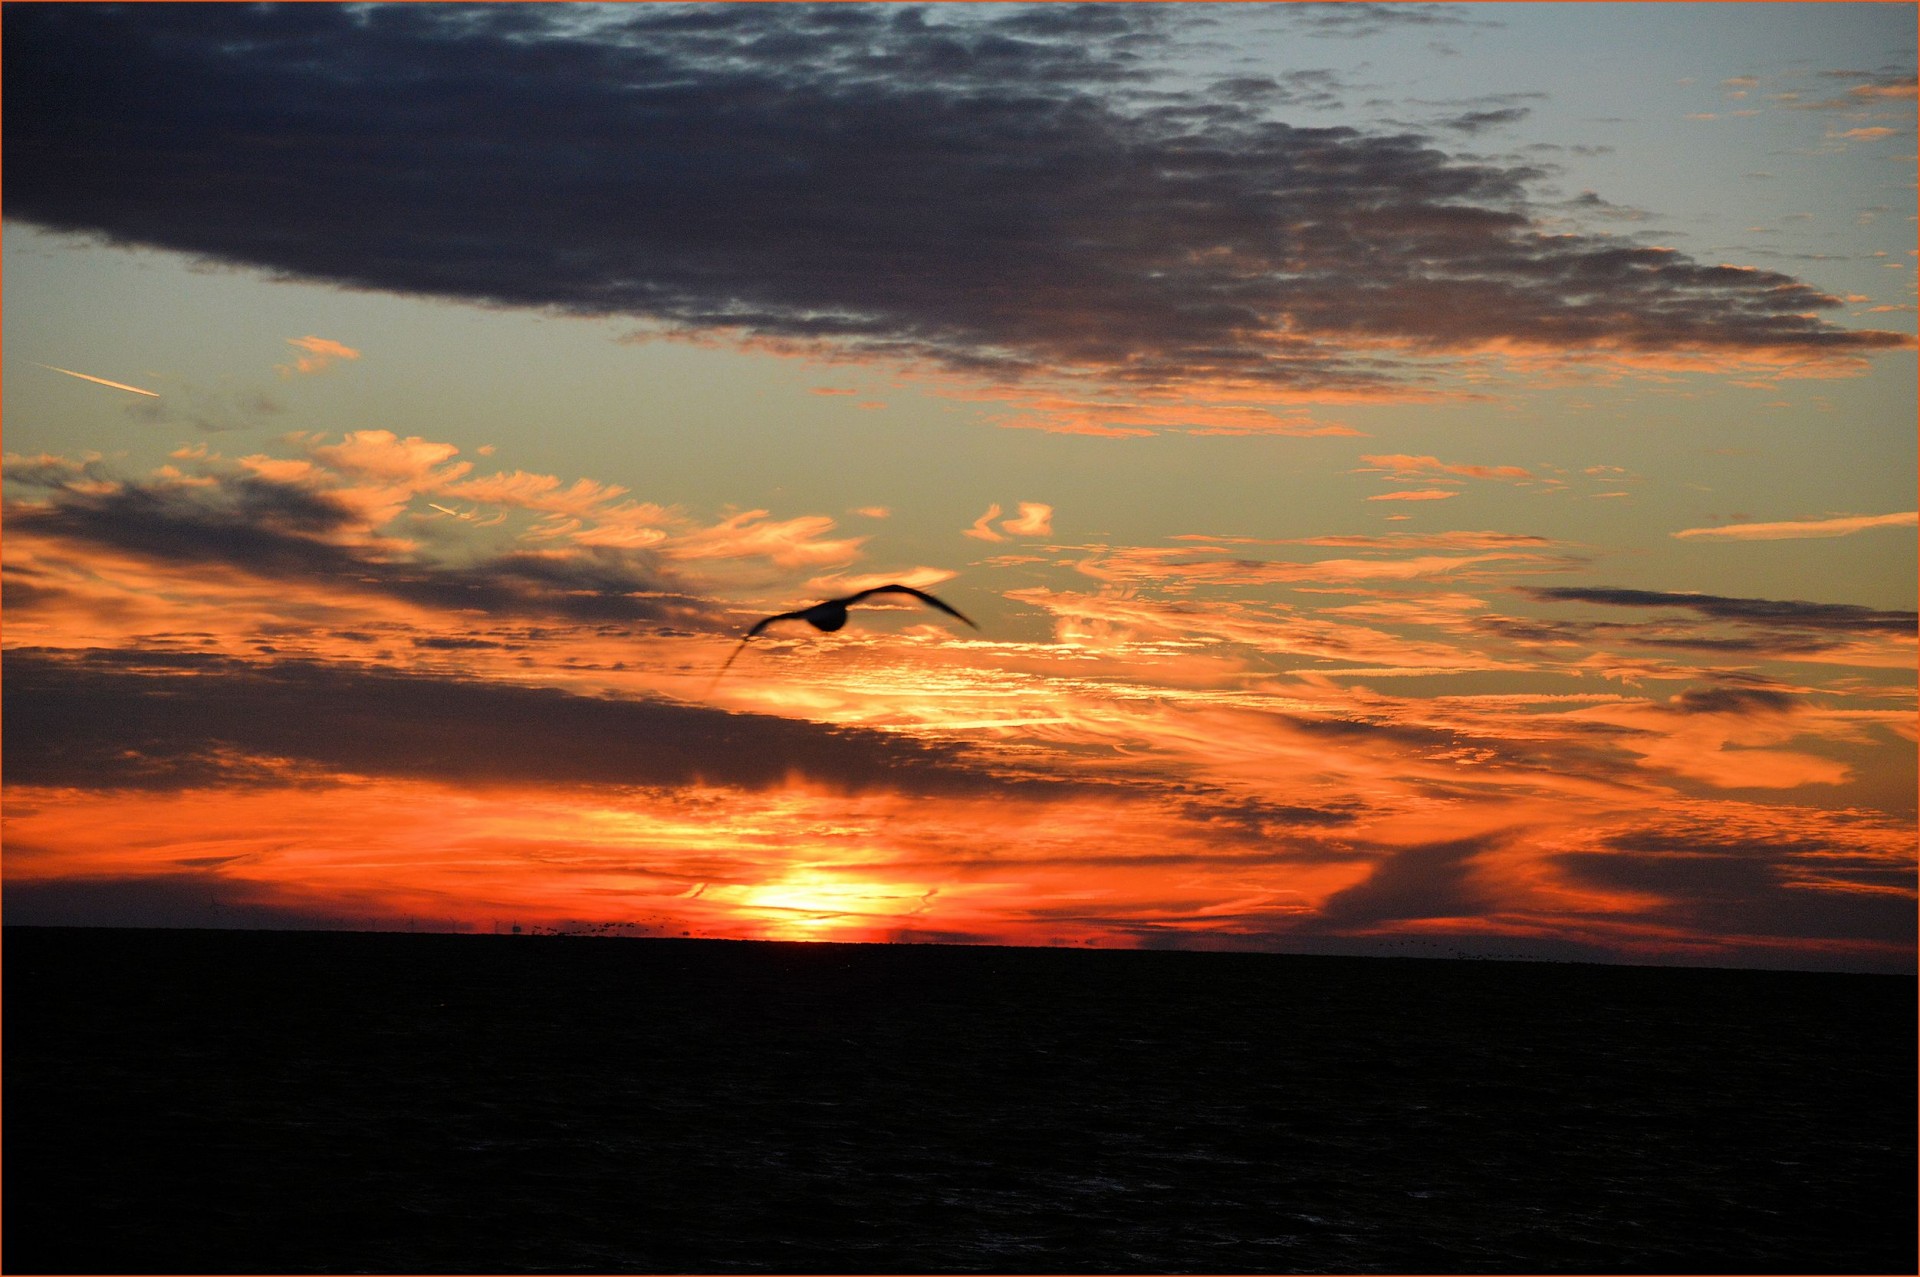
(1430, 479)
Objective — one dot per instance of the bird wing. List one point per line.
(784, 616)
(749, 636)
(922, 595)
(737, 649)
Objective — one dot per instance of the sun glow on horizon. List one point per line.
(1382, 524)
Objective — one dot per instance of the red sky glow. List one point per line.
(1381, 542)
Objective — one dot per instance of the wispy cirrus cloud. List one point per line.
(982, 528)
(1166, 238)
(293, 535)
(1838, 526)
(1172, 720)
(1402, 465)
(1235, 411)
(1034, 520)
(1390, 541)
(1119, 624)
(343, 517)
(1181, 566)
(1729, 738)
(1864, 133)
(1416, 494)
(799, 542)
(1866, 90)
(316, 354)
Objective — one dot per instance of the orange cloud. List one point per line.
(319, 353)
(1841, 526)
(920, 578)
(1390, 541)
(381, 454)
(1187, 566)
(792, 543)
(1035, 520)
(1726, 744)
(981, 529)
(1130, 628)
(231, 676)
(1416, 494)
(1405, 466)
(1080, 404)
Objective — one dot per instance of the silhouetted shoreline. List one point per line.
(226, 1101)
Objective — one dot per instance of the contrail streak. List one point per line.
(153, 394)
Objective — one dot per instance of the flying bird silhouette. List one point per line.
(832, 614)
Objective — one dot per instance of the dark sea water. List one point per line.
(264, 1102)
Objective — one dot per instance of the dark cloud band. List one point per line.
(106, 720)
(1789, 614)
(1002, 190)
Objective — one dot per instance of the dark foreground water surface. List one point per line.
(260, 1102)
